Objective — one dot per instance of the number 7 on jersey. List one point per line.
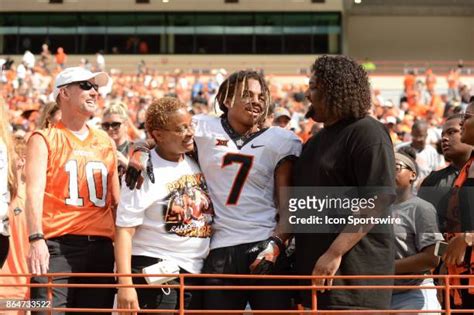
(246, 162)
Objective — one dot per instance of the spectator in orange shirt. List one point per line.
(436, 106)
(409, 82)
(143, 47)
(72, 190)
(453, 84)
(61, 57)
(430, 80)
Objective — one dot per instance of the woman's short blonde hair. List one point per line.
(157, 115)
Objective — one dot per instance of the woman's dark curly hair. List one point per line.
(230, 86)
(344, 85)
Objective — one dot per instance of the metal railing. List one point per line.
(182, 287)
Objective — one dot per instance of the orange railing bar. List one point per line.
(447, 287)
(237, 276)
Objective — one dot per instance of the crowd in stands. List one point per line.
(26, 88)
(417, 126)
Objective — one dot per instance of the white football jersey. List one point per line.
(240, 178)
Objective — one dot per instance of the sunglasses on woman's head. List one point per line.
(114, 125)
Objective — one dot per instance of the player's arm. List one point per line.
(35, 170)
(268, 250)
(282, 183)
(140, 161)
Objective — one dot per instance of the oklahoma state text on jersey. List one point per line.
(78, 198)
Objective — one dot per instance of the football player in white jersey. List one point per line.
(245, 166)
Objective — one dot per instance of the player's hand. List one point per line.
(327, 265)
(455, 252)
(38, 257)
(122, 162)
(127, 299)
(139, 162)
(266, 253)
(122, 159)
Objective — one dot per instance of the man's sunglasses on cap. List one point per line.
(114, 125)
(84, 85)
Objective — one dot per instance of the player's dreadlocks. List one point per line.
(230, 87)
(344, 85)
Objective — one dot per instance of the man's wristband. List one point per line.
(35, 237)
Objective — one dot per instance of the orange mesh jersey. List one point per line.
(78, 195)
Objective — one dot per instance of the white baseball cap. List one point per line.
(280, 112)
(77, 74)
(391, 120)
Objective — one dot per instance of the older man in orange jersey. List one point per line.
(71, 193)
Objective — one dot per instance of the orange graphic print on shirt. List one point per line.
(189, 211)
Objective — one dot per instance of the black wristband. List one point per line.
(35, 237)
(279, 243)
(140, 149)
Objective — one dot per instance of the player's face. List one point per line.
(248, 106)
(178, 135)
(115, 127)
(467, 126)
(451, 140)
(83, 97)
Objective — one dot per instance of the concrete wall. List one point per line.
(410, 37)
(281, 65)
(172, 5)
